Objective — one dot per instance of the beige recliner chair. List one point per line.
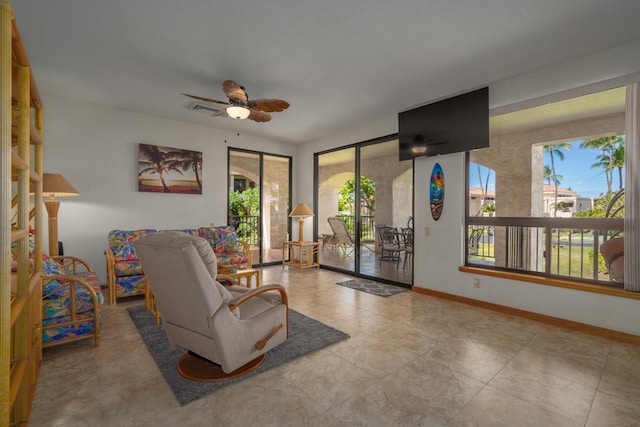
(232, 327)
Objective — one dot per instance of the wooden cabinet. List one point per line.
(21, 171)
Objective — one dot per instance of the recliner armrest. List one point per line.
(257, 291)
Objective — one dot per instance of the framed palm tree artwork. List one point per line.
(169, 170)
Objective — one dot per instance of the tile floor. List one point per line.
(411, 360)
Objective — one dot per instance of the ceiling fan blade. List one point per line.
(259, 116)
(234, 91)
(200, 98)
(269, 105)
(221, 113)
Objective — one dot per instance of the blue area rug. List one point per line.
(371, 287)
(306, 335)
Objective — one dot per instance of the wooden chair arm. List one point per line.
(257, 291)
(74, 262)
(262, 343)
(111, 275)
(247, 250)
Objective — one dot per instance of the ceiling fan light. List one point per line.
(420, 149)
(237, 112)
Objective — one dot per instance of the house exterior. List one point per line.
(569, 201)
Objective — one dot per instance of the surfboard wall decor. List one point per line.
(436, 191)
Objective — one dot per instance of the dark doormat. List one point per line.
(371, 287)
(306, 335)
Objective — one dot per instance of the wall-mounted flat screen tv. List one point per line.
(453, 125)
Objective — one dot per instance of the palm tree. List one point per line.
(605, 160)
(546, 175)
(489, 209)
(556, 150)
(158, 162)
(483, 188)
(187, 159)
(617, 161)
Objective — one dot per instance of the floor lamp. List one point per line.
(54, 184)
(301, 211)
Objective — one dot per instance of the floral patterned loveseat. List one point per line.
(125, 276)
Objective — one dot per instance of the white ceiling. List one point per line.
(340, 63)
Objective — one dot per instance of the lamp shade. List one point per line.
(238, 112)
(301, 210)
(54, 184)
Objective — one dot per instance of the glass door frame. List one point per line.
(357, 210)
(261, 154)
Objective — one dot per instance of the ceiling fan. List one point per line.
(240, 106)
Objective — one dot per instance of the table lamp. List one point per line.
(54, 184)
(301, 211)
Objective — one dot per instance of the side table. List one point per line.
(246, 276)
(301, 254)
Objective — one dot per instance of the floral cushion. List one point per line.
(56, 297)
(130, 285)
(222, 239)
(121, 243)
(51, 268)
(232, 259)
(56, 302)
(127, 268)
(68, 331)
(224, 242)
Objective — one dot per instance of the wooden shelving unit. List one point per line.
(21, 171)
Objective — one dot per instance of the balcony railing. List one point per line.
(246, 228)
(368, 231)
(566, 248)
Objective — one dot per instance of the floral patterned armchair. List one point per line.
(71, 299)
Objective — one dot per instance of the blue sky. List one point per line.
(575, 170)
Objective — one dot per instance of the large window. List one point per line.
(550, 190)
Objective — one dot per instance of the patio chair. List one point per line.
(407, 240)
(341, 237)
(392, 246)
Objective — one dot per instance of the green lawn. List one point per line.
(574, 263)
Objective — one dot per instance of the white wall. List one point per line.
(96, 149)
(438, 256)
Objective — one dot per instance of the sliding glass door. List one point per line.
(335, 208)
(259, 197)
(351, 212)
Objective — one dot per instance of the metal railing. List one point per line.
(566, 248)
(368, 229)
(247, 227)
